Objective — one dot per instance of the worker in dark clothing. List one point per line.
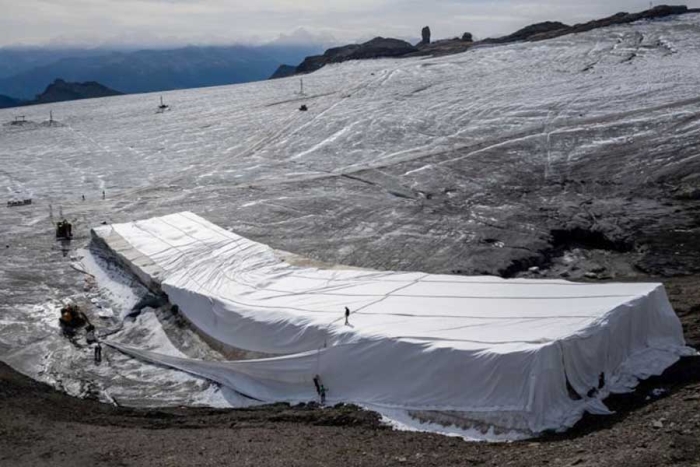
(317, 383)
(98, 354)
(64, 230)
(320, 388)
(347, 316)
(90, 334)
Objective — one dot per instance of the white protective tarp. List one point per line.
(508, 353)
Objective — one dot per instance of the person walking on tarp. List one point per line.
(90, 337)
(347, 316)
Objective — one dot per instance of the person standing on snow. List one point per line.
(347, 316)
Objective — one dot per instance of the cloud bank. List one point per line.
(180, 22)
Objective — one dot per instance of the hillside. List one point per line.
(146, 70)
(279, 435)
(60, 91)
(7, 102)
(284, 71)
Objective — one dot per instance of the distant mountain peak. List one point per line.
(61, 90)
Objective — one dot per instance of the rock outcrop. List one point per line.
(60, 91)
(425, 35)
(378, 47)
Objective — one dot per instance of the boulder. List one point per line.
(467, 37)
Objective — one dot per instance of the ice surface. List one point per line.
(364, 114)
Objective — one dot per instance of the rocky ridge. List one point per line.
(381, 47)
(60, 91)
(378, 47)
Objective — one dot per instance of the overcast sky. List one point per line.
(178, 22)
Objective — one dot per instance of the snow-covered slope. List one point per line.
(369, 114)
(461, 163)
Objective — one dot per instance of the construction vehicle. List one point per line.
(21, 202)
(64, 230)
(72, 319)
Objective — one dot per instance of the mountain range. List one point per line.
(26, 72)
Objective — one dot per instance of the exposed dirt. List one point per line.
(658, 425)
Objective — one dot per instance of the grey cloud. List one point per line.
(224, 21)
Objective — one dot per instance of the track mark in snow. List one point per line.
(331, 139)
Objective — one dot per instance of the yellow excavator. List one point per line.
(64, 230)
(72, 319)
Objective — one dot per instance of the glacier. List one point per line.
(463, 163)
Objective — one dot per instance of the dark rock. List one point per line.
(381, 47)
(283, 71)
(591, 239)
(687, 193)
(378, 47)
(425, 35)
(467, 37)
